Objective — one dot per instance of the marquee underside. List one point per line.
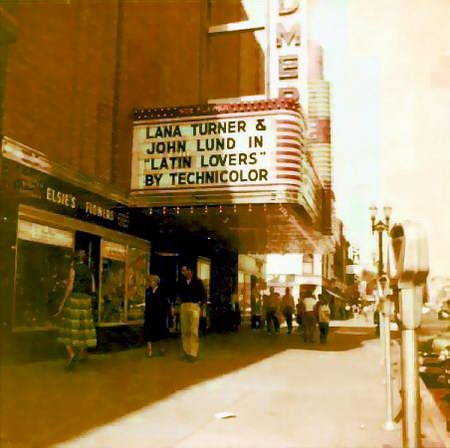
(250, 228)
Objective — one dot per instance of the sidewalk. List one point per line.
(279, 391)
(295, 398)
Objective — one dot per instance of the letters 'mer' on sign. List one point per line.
(288, 50)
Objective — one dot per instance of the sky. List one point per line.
(388, 62)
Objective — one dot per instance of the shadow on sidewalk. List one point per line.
(42, 405)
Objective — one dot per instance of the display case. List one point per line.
(112, 292)
(204, 273)
(123, 282)
(44, 255)
(137, 270)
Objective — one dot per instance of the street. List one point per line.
(431, 325)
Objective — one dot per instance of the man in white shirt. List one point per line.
(324, 313)
(309, 306)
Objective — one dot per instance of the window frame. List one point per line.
(242, 27)
(308, 260)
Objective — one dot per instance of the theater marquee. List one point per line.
(225, 151)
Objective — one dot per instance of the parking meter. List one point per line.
(383, 285)
(383, 293)
(410, 268)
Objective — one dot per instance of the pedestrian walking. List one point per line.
(203, 325)
(287, 308)
(192, 294)
(323, 314)
(309, 303)
(300, 313)
(376, 321)
(272, 306)
(255, 306)
(266, 307)
(176, 313)
(235, 312)
(76, 328)
(156, 315)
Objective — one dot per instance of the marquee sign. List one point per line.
(244, 149)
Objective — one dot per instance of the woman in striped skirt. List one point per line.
(77, 330)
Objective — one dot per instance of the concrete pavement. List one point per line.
(279, 392)
(292, 399)
(295, 398)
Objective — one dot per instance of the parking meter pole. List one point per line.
(410, 249)
(389, 425)
(411, 399)
(382, 337)
(410, 375)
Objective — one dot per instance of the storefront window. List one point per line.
(118, 262)
(308, 264)
(112, 301)
(136, 283)
(204, 273)
(44, 255)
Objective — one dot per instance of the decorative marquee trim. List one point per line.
(214, 109)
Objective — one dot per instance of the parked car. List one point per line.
(426, 309)
(436, 362)
(444, 310)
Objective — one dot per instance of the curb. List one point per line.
(432, 413)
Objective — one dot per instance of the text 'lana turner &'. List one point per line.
(208, 128)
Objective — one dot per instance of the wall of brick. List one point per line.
(80, 68)
(59, 97)
(160, 64)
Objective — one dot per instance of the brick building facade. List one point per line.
(73, 74)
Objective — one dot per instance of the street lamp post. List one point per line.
(380, 227)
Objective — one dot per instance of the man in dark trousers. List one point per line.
(192, 294)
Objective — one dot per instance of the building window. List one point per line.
(308, 264)
(236, 47)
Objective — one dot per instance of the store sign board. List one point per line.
(69, 200)
(237, 152)
(39, 233)
(114, 251)
(78, 203)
